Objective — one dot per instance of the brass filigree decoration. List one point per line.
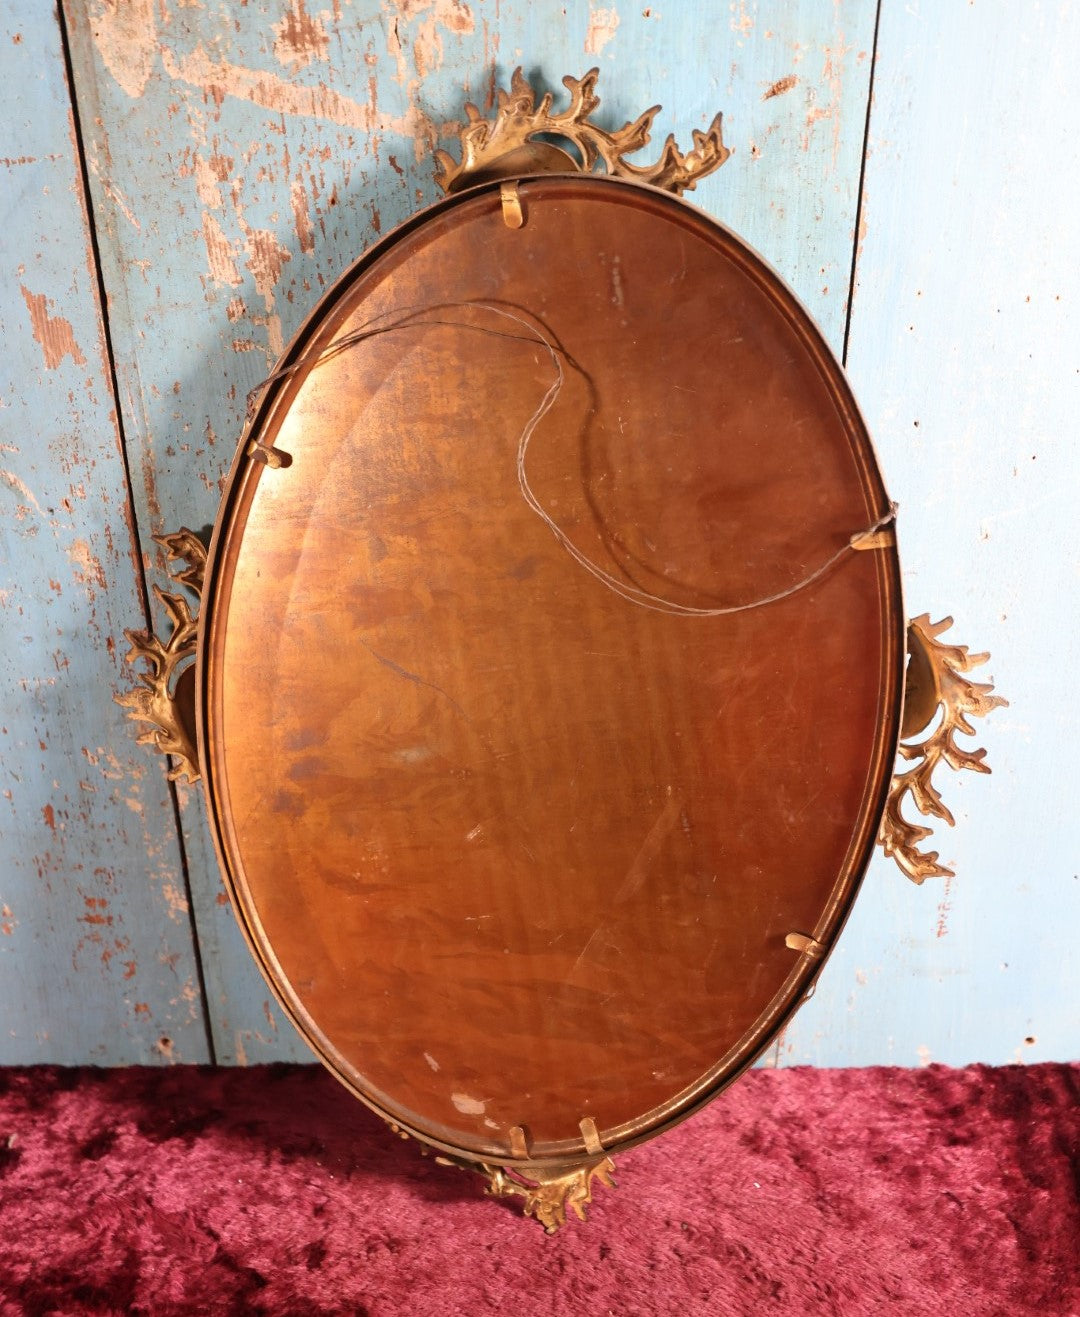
(165, 696)
(935, 681)
(506, 146)
(548, 1193)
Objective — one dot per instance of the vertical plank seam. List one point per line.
(132, 512)
(855, 242)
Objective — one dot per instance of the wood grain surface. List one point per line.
(520, 848)
(240, 156)
(97, 960)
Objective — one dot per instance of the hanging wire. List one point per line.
(423, 317)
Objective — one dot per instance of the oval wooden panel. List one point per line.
(512, 848)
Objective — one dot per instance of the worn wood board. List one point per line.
(239, 156)
(97, 959)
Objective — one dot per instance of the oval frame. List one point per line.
(273, 404)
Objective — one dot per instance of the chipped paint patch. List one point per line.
(468, 1106)
(207, 182)
(741, 22)
(832, 73)
(455, 16)
(427, 49)
(175, 900)
(266, 256)
(603, 24)
(88, 568)
(222, 266)
(780, 86)
(125, 34)
(54, 333)
(218, 78)
(300, 39)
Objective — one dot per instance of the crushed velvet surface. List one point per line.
(270, 1190)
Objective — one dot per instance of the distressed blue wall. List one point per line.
(235, 157)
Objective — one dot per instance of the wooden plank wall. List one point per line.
(239, 154)
(965, 354)
(97, 959)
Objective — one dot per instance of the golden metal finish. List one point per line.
(166, 697)
(935, 680)
(505, 147)
(513, 215)
(548, 1190)
(548, 1193)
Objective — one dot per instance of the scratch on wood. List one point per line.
(54, 333)
(302, 216)
(944, 908)
(415, 678)
(450, 15)
(861, 235)
(20, 487)
(650, 848)
(115, 196)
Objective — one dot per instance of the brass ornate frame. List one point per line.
(507, 146)
(165, 697)
(935, 683)
(514, 144)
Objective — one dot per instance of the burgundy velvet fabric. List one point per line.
(270, 1190)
